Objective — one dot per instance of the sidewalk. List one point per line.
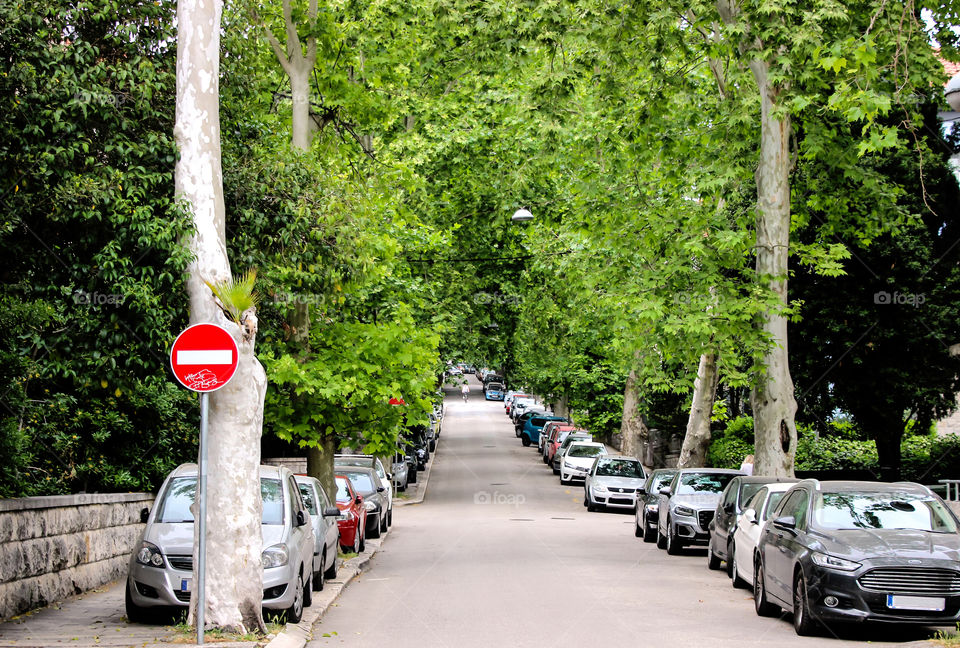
(97, 618)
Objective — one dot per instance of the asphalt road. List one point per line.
(499, 554)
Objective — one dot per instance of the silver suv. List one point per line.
(160, 574)
(687, 506)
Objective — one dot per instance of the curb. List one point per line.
(296, 635)
(422, 491)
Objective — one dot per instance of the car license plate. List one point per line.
(185, 584)
(927, 603)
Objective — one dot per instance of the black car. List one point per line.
(522, 419)
(737, 493)
(840, 551)
(645, 515)
(417, 438)
(491, 378)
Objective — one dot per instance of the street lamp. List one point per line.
(521, 215)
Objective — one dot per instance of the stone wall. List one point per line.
(55, 547)
(296, 465)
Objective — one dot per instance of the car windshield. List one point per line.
(659, 480)
(343, 492)
(850, 510)
(494, 387)
(175, 506)
(362, 482)
(691, 483)
(620, 468)
(584, 451)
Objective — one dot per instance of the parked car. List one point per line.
(366, 482)
(353, 516)
(521, 405)
(645, 513)
(570, 437)
(326, 533)
(491, 378)
(613, 482)
(417, 439)
(732, 500)
(511, 402)
(435, 424)
(687, 505)
(533, 425)
(160, 572)
(548, 431)
(578, 459)
(400, 471)
(454, 370)
(369, 461)
(859, 551)
(748, 527)
(493, 392)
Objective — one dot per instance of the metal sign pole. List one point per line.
(202, 521)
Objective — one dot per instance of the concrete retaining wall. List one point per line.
(54, 547)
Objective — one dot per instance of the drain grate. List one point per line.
(521, 519)
(561, 518)
(499, 483)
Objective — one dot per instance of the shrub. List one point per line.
(728, 452)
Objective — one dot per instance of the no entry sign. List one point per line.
(204, 357)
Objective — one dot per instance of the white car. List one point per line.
(326, 533)
(749, 525)
(613, 482)
(578, 459)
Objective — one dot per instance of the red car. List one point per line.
(551, 431)
(353, 517)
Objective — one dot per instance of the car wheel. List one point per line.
(433, 445)
(412, 478)
(385, 522)
(331, 572)
(591, 505)
(317, 581)
(713, 562)
(135, 613)
(763, 607)
(804, 624)
(661, 539)
(556, 471)
(295, 611)
(375, 528)
(674, 545)
(730, 558)
(390, 517)
(649, 532)
(525, 440)
(363, 542)
(308, 592)
(638, 525)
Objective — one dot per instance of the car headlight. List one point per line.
(275, 556)
(370, 506)
(600, 488)
(833, 562)
(685, 511)
(150, 555)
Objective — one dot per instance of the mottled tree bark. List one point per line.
(234, 589)
(633, 431)
(696, 441)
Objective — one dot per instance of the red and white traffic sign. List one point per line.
(204, 357)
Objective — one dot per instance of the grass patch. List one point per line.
(950, 638)
(347, 556)
(187, 634)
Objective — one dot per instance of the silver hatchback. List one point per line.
(160, 573)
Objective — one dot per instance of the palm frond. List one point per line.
(236, 295)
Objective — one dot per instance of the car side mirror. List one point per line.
(666, 491)
(750, 516)
(787, 523)
(359, 500)
(301, 518)
(144, 515)
(331, 511)
(380, 489)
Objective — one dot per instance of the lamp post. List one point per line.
(521, 215)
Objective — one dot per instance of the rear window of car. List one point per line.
(620, 468)
(691, 483)
(658, 481)
(362, 462)
(748, 491)
(175, 506)
(851, 510)
(306, 492)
